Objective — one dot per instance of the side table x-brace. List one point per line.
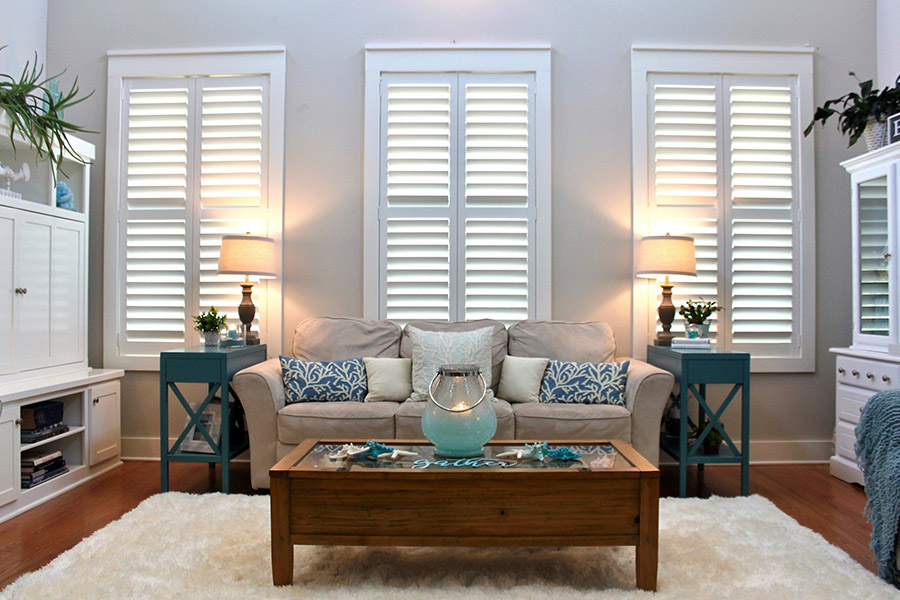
(215, 367)
(694, 370)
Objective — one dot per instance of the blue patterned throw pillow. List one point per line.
(584, 383)
(326, 381)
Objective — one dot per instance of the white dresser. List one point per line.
(872, 362)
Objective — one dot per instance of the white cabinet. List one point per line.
(105, 434)
(9, 455)
(872, 362)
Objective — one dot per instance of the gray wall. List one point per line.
(591, 40)
(888, 17)
(24, 33)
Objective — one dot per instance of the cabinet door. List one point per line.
(7, 289)
(10, 474)
(105, 422)
(33, 264)
(67, 304)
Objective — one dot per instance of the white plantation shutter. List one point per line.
(723, 151)
(194, 151)
(456, 208)
(873, 244)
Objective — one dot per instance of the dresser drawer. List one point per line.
(844, 440)
(850, 403)
(870, 374)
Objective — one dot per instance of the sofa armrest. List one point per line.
(646, 393)
(261, 390)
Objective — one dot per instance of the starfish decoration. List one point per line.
(348, 451)
(539, 451)
(563, 453)
(396, 455)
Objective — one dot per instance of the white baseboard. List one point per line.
(144, 448)
(780, 452)
(761, 452)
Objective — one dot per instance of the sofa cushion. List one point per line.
(563, 422)
(431, 349)
(409, 421)
(388, 379)
(520, 379)
(584, 383)
(326, 381)
(498, 340)
(558, 340)
(334, 338)
(336, 420)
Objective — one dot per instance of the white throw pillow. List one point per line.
(520, 380)
(388, 379)
(431, 349)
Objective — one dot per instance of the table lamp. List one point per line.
(247, 255)
(661, 256)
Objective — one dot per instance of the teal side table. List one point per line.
(215, 367)
(694, 370)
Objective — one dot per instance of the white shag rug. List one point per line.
(215, 546)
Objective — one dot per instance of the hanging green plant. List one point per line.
(36, 114)
(854, 111)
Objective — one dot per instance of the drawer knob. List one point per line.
(870, 376)
(18, 422)
(861, 409)
(855, 373)
(21, 291)
(885, 379)
(842, 370)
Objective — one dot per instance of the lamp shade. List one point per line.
(666, 255)
(247, 255)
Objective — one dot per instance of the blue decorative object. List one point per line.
(562, 453)
(584, 383)
(878, 453)
(458, 418)
(64, 196)
(327, 381)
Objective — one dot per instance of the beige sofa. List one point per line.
(275, 428)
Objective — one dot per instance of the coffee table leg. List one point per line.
(647, 552)
(282, 549)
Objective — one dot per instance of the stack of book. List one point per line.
(42, 420)
(694, 343)
(40, 465)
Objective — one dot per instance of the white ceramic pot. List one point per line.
(211, 338)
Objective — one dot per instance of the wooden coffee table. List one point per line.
(608, 497)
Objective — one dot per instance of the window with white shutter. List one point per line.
(720, 157)
(459, 213)
(189, 160)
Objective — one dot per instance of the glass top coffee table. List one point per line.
(609, 496)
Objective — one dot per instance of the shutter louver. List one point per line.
(762, 213)
(418, 269)
(155, 220)
(497, 269)
(497, 145)
(873, 266)
(418, 145)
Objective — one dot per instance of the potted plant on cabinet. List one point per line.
(210, 323)
(712, 443)
(35, 112)
(698, 313)
(861, 113)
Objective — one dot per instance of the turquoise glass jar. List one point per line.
(458, 419)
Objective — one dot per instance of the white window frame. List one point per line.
(122, 65)
(794, 62)
(418, 58)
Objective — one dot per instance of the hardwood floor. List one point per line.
(27, 542)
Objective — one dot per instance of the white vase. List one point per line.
(211, 338)
(875, 134)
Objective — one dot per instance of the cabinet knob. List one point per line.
(21, 291)
(855, 373)
(842, 370)
(18, 422)
(885, 379)
(96, 400)
(870, 376)
(887, 256)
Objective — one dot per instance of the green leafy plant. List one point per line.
(36, 114)
(855, 110)
(698, 312)
(210, 321)
(713, 438)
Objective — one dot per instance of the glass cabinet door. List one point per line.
(874, 258)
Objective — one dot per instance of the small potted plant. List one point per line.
(698, 313)
(712, 443)
(863, 112)
(209, 324)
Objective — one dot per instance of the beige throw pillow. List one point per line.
(520, 379)
(388, 379)
(431, 349)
